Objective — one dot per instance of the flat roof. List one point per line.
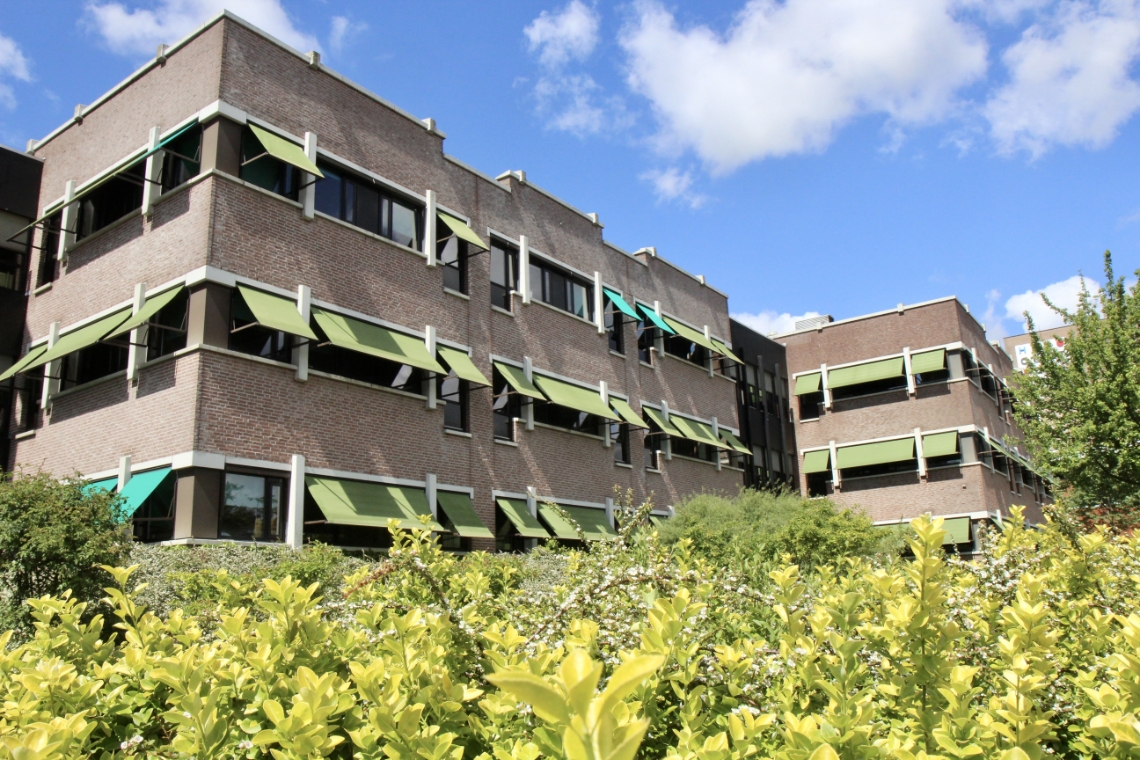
(884, 312)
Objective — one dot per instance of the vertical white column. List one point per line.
(910, 386)
(528, 404)
(599, 303)
(431, 488)
(295, 530)
(301, 352)
(68, 219)
(51, 370)
(823, 386)
(524, 284)
(429, 341)
(835, 479)
(659, 340)
(135, 357)
(716, 434)
(709, 362)
(309, 192)
(429, 228)
(668, 439)
(605, 393)
(151, 188)
(919, 453)
(610, 512)
(532, 507)
(124, 471)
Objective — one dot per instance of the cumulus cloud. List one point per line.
(771, 322)
(342, 30)
(570, 34)
(672, 184)
(1070, 80)
(787, 75)
(1065, 294)
(138, 31)
(13, 64)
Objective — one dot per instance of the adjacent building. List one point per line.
(766, 423)
(907, 411)
(266, 306)
(1020, 347)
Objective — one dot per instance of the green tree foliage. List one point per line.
(635, 649)
(765, 525)
(53, 537)
(1080, 407)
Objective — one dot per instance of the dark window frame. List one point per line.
(267, 506)
(152, 527)
(456, 406)
(248, 337)
(810, 404)
(117, 197)
(348, 196)
(262, 170)
(167, 331)
(92, 363)
(614, 323)
(686, 350)
(181, 160)
(506, 407)
(646, 341)
(566, 418)
(556, 287)
(504, 273)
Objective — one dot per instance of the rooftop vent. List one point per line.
(813, 322)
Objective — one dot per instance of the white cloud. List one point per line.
(995, 330)
(343, 30)
(1065, 294)
(672, 184)
(772, 323)
(569, 103)
(1070, 79)
(12, 64)
(787, 75)
(570, 34)
(139, 31)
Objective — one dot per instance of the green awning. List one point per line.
(730, 438)
(575, 397)
(166, 141)
(697, 431)
(106, 484)
(817, 461)
(517, 380)
(621, 304)
(139, 487)
(519, 514)
(808, 383)
(351, 502)
(559, 526)
(658, 419)
(957, 530)
(374, 340)
(462, 365)
(457, 507)
(79, 339)
(462, 231)
(940, 444)
(622, 407)
(865, 373)
(594, 524)
(724, 350)
(153, 305)
(275, 312)
(876, 453)
(690, 334)
(928, 361)
(26, 362)
(655, 318)
(283, 150)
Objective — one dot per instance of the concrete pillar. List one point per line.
(528, 404)
(301, 352)
(919, 454)
(599, 303)
(124, 471)
(524, 284)
(836, 480)
(198, 503)
(823, 386)
(610, 512)
(136, 351)
(209, 317)
(716, 434)
(221, 147)
(68, 219)
(659, 340)
(668, 441)
(308, 181)
(51, 369)
(151, 189)
(429, 341)
(431, 489)
(295, 523)
(910, 386)
(709, 361)
(429, 228)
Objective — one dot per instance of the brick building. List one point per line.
(907, 411)
(268, 306)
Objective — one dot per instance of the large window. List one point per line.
(615, 326)
(504, 273)
(259, 168)
(685, 448)
(452, 254)
(887, 468)
(252, 508)
(182, 159)
(619, 440)
(166, 332)
(248, 337)
(13, 262)
(92, 363)
(818, 483)
(453, 394)
(645, 335)
(564, 417)
(49, 250)
(654, 442)
(110, 201)
(366, 204)
(561, 289)
(810, 404)
(325, 357)
(154, 519)
(683, 348)
(505, 404)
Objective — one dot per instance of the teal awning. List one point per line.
(139, 487)
(655, 318)
(106, 484)
(621, 304)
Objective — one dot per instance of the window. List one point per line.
(452, 254)
(504, 273)
(549, 413)
(154, 519)
(866, 389)
(363, 202)
(685, 349)
(251, 508)
(685, 448)
(615, 326)
(888, 468)
(248, 337)
(92, 363)
(731, 458)
(263, 170)
(619, 441)
(110, 201)
(645, 336)
(317, 528)
(182, 159)
(506, 406)
(166, 332)
(654, 442)
(818, 484)
(561, 289)
(13, 261)
(771, 400)
(343, 362)
(49, 250)
(453, 394)
(950, 460)
(810, 404)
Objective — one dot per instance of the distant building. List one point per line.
(1020, 347)
(765, 413)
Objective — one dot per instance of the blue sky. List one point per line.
(827, 156)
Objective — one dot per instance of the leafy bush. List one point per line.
(638, 647)
(765, 525)
(53, 536)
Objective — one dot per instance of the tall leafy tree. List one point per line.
(1080, 406)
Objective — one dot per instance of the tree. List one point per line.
(53, 537)
(1080, 407)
